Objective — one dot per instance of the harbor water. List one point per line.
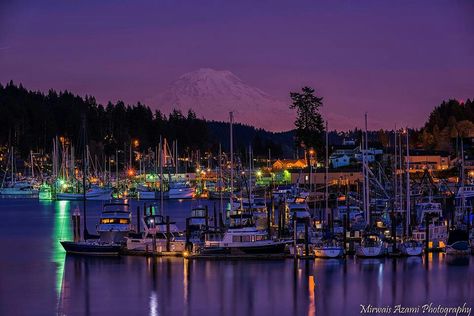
(37, 278)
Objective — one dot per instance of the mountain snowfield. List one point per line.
(212, 94)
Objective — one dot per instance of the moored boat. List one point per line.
(115, 223)
(94, 193)
(411, 248)
(242, 237)
(92, 248)
(458, 243)
(180, 190)
(157, 236)
(328, 249)
(371, 246)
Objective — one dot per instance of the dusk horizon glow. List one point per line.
(396, 61)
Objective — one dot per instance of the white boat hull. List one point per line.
(175, 194)
(369, 252)
(112, 236)
(17, 192)
(94, 196)
(328, 252)
(146, 245)
(411, 251)
(148, 195)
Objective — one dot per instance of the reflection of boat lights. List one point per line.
(311, 286)
(61, 231)
(153, 304)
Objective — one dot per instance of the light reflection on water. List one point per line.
(36, 264)
(61, 231)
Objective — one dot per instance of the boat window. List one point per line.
(236, 239)
(245, 238)
(115, 221)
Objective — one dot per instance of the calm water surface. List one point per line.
(37, 278)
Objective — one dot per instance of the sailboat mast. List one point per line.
(13, 173)
(408, 181)
(366, 189)
(221, 180)
(231, 117)
(32, 167)
(395, 167)
(84, 172)
(250, 175)
(463, 202)
(326, 192)
(161, 176)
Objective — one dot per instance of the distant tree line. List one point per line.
(29, 120)
(447, 123)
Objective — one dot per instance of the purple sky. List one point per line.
(394, 59)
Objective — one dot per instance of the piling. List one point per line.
(468, 220)
(331, 216)
(427, 234)
(76, 225)
(404, 224)
(453, 208)
(283, 216)
(138, 219)
(221, 220)
(393, 231)
(269, 219)
(344, 227)
(279, 221)
(168, 234)
(273, 209)
(188, 233)
(306, 238)
(294, 238)
(215, 217)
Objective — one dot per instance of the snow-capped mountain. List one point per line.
(214, 93)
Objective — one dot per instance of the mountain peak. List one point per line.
(213, 93)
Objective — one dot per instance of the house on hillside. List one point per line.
(285, 164)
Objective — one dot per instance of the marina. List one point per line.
(227, 158)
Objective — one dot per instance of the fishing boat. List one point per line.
(180, 190)
(198, 223)
(45, 192)
(328, 249)
(115, 223)
(300, 216)
(371, 246)
(156, 236)
(458, 243)
(437, 227)
(257, 206)
(411, 247)
(242, 237)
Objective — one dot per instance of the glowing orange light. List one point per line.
(131, 172)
